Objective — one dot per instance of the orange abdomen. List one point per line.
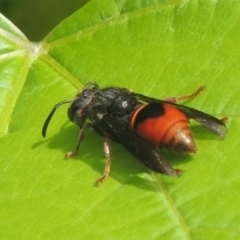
(163, 126)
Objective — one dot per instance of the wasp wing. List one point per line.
(215, 125)
(149, 156)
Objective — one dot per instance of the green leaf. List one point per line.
(159, 48)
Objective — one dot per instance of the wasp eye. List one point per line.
(77, 113)
(74, 107)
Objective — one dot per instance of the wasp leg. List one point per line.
(224, 119)
(175, 99)
(80, 139)
(107, 150)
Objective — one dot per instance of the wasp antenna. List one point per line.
(44, 129)
(94, 84)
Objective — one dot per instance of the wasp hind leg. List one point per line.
(191, 96)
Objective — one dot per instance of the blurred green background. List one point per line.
(37, 18)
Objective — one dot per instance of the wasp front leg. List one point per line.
(107, 150)
(80, 139)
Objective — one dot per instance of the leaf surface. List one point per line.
(158, 48)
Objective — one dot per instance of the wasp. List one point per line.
(143, 125)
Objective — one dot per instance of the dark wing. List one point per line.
(215, 125)
(138, 147)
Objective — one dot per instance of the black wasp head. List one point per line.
(77, 111)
